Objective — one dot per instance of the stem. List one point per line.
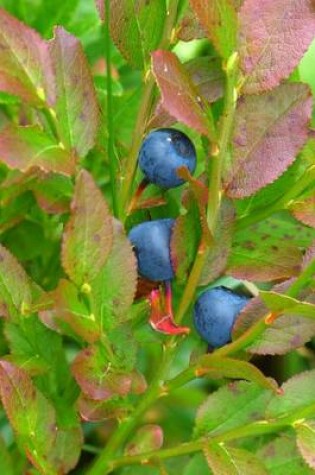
(220, 150)
(144, 115)
(103, 464)
(113, 164)
(253, 429)
(281, 203)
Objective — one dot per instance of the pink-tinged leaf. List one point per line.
(306, 441)
(309, 256)
(70, 312)
(88, 235)
(180, 97)
(269, 131)
(76, 105)
(228, 460)
(266, 252)
(219, 250)
(232, 406)
(219, 20)
(26, 147)
(298, 394)
(273, 37)
(114, 287)
(304, 211)
(147, 438)
(30, 414)
(25, 66)
(280, 456)
(137, 28)
(15, 286)
(53, 192)
(97, 379)
(100, 5)
(96, 411)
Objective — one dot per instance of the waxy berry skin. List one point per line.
(215, 312)
(151, 244)
(162, 152)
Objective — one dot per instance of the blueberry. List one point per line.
(162, 152)
(215, 312)
(151, 242)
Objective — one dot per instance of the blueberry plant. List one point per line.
(157, 229)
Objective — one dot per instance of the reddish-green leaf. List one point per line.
(230, 461)
(114, 288)
(219, 20)
(95, 411)
(136, 28)
(180, 97)
(306, 441)
(97, 378)
(304, 210)
(189, 28)
(70, 311)
(281, 457)
(231, 368)
(219, 250)
(76, 106)
(232, 406)
(87, 239)
(269, 131)
(31, 415)
(147, 438)
(53, 192)
(264, 252)
(27, 147)
(273, 37)
(25, 66)
(15, 287)
(284, 304)
(297, 397)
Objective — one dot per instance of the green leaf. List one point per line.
(306, 441)
(219, 20)
(284, 304)
(230, 461)
(136, 28)
(197, 464)
(298, 398)
(114, 288)
(76, 106)
(221, 367)
(280, 456)
(53, 192)
(31, 415)
(6, 460)
(15, 288)
(269, 250)
(87, 239)
(232, 406)
(25, 147)
(25, 66)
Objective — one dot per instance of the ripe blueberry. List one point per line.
(162, 152)
(215, 312)
(151, 242)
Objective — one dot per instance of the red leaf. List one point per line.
(269, 131)
(162, 319)
(88, 235)
(76, 106)
(180, 97)
(25, 66)
(27, 147)
(274, 35)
